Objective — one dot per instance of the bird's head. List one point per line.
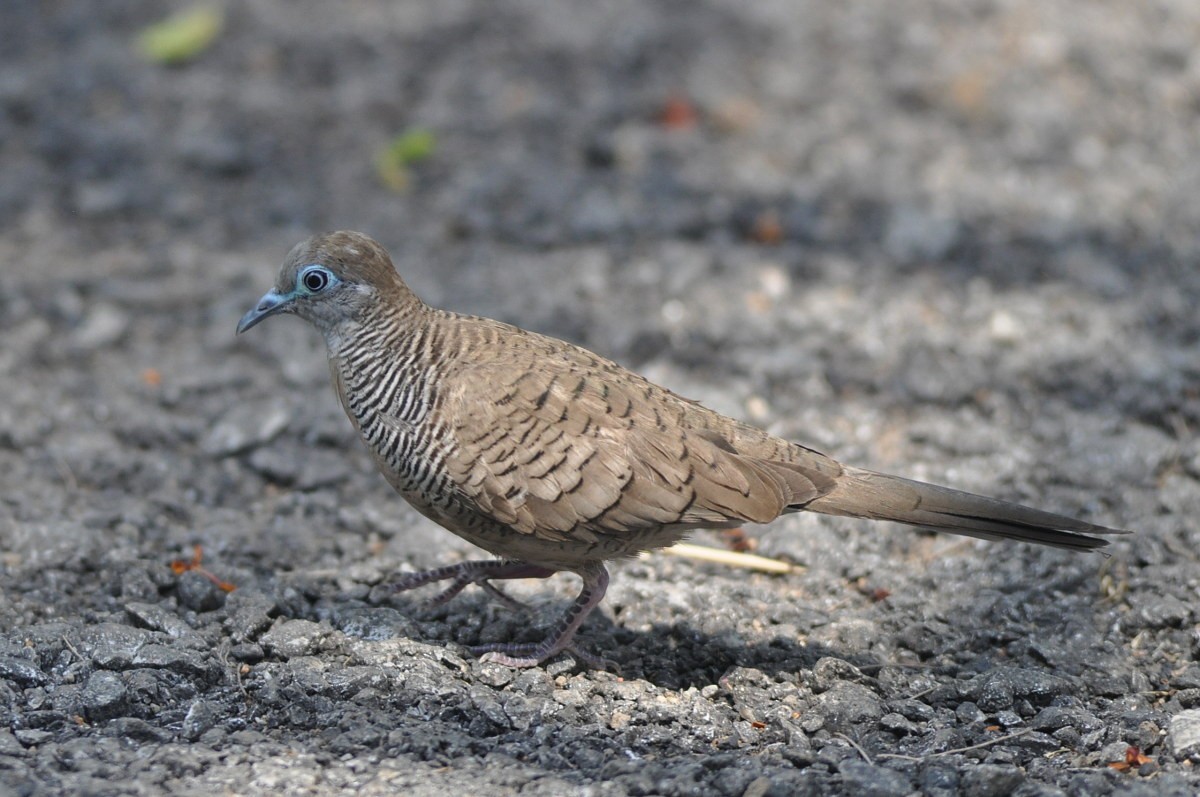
(331, 280)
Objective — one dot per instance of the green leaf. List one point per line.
(181, 37)
(393, 160)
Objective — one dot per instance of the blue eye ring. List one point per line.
(314, 279)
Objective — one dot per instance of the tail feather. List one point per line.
(878, 496)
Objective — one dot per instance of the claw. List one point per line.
(595, 583)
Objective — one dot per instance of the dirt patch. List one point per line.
(951, 241)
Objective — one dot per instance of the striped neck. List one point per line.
(386, 361)
(382, 324)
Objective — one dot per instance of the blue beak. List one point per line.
(270, 304)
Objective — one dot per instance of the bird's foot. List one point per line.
(464, 574)
(560, 638)
(498, 594)
(511, 654)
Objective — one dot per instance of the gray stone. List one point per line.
(939, 780)
(103, 326)
(9, 745)
(158, 618)
(197, 592)
(250, 614)
(898, 723)
(867, 780)
(1167, 611)
(318, 467)
(967, 713)
(1185, 734)
(136, 730)
(997, 690)
(914, 710)
(291, 638)
(201, 717)
(185, 662)
(104, 696)
(113, 646)
(244, 426)
(21, 670)
(1188, 679)
(847, 704)
(828, 671)
(247, 651)
(991, 780)
(32, 737)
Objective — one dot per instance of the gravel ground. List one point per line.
(954, 240)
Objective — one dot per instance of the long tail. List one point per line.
(866, 494)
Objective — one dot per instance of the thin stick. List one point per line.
(988, 743)
(72, 648)
(730, 558)
(855, 745)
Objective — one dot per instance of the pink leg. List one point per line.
(466, 573)
(595, 583)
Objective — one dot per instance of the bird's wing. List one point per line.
(566, 450)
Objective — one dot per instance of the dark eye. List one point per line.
(315, 279)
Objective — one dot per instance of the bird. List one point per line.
(555, 459)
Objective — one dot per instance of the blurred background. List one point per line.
(595, 169)
(951, 238)
(920, 127)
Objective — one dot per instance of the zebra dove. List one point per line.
(557, 459)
